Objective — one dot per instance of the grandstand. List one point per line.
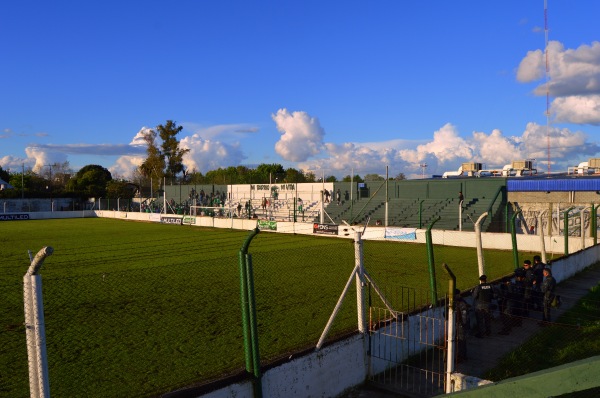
(410, 203)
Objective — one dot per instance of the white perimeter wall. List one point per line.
(490, 240)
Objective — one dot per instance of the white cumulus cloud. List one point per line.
(447, 150)
(302, 135)
(574, 80)
(205, 155)
(44, 157)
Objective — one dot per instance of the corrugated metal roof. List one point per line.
(544, 185)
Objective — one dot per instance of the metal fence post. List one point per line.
(39, 383)
(249, 323)
(480, 259)
(542, 238)
(513, 234)
(451, 326)
(566, 229)
(431, 261)
(360, 267)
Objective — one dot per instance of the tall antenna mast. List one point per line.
(547, 82)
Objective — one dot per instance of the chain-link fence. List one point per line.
(144, 331)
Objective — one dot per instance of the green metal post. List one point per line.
(513, 233)
(566, 229)
(506, 221)
(249, 312)
(245, 316)
(421, 213)
(295, 204)
(253, 327)
(432, 280)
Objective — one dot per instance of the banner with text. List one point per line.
(171, 220)
(266, 224)
(326, 229)
(14, 217)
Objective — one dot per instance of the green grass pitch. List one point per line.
(136, 309)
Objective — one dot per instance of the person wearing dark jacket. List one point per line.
(483, 294)
(547, 290)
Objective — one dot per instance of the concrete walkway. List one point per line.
(484, 353)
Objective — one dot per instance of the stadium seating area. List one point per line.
(410, 213)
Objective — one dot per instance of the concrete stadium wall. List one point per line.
(324, 373)
(490, 240)
(45, 215)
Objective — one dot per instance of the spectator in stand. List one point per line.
(483, 294)
(547, 289)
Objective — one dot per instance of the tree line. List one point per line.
(163, 164)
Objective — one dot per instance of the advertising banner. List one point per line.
(266, 224)
(326, 229)
(401, 233)
(189, 220)
(171, 220)
(14, 217)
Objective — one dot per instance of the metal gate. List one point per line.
(407, 343)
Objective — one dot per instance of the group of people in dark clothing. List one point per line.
(531, 289)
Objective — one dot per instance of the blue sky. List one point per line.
(327, 86)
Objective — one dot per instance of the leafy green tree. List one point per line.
(373, 177)
(120, 189)
(356, 178)
(195, 177)
(330, 179)
(266, 173)
(292, 175)
(4, 175)
(90, 181)
(154, 164)
(243, 174)
(218, 176)
(172, 154)
(28, 184)
(309, 176)
(400, 177)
